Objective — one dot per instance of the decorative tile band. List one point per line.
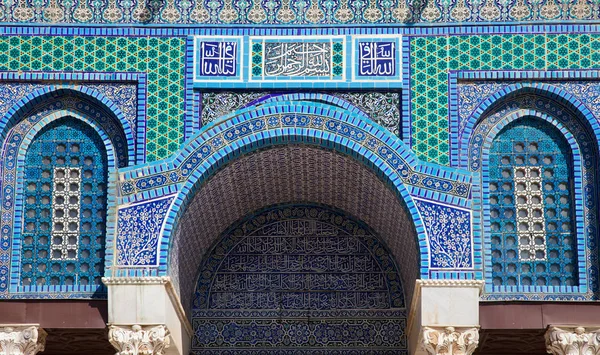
(350, 132)
(291, 13)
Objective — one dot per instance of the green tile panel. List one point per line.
(163, 59)
(433, 57)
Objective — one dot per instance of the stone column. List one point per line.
(22, 339)
(450, 340)
(569, 340)
(138, 340)
(444, 317)
(146, 317)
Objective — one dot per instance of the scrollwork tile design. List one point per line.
(382, 107)
(139, 230)
(449, 234)
(288, 12)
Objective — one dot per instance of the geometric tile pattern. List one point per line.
(311, 12)
(314, 277)
(433, 57)
(162, 58)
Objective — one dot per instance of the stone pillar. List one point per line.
(569, 340)
(444, 317)
(22, 339)
(138, 340)
(146, 317)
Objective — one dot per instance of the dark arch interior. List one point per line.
(299, 277)
(283, 175)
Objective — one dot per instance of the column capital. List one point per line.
(26, 339)
(571, 340)
(450, 340)
(139, 340)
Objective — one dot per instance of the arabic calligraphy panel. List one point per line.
(377, 58)
(217, 58)
(313, 58)
(296, 278)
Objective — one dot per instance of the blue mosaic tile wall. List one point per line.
(414, 103)
(65, 207)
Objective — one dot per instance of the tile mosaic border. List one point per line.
(74, 81)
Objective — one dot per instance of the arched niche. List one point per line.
(291, 174)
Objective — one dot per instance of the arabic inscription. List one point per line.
(377, 59)
(218, 59)
(298, 59)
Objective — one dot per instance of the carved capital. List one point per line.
(572, 341)
(450, 340)
(138, 340)
(22, 339)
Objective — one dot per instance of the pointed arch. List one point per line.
(285, 124)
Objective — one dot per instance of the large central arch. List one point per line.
(292, 174)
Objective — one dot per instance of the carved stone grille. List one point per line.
(65, 213)
(64, 206)
(299, 278)
(531, 228)
(531, 206)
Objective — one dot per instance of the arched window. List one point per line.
(531, 206)
(64, 206)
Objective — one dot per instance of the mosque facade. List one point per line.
(299, 177)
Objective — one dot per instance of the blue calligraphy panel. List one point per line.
(217, 58)
(377, 59)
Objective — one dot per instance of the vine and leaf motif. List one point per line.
(449, 234)
(139, 231)
(382, 107)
